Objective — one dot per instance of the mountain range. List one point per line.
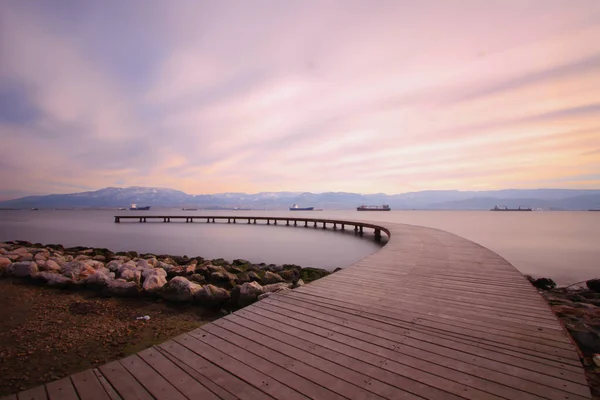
(113, 197)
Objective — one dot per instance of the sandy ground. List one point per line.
(47, 334)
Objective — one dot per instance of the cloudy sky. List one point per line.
(260, 95)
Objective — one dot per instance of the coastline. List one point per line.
(70, 309)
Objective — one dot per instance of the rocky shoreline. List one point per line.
(208, 283)
(578, 309)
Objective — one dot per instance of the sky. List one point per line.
(288, 95)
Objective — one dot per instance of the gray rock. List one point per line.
(277, 287)
(50, 266)
(254, 276)
(215, 268)
(247, 293)
(131, 275)
(77, 270)
(142, 263)
(299, 283)
(271, 277)
(179, 289)
(98, 280)
(152, 261)
(153, 271)
(57, 258)
(114, 265)
(154, 283)
(223, 277)
(22, 269)
(95, 264)
(52, 279)
(211, 296)
(119, 288)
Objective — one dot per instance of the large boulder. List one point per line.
(153, 271)
(215, 268)
(50, 266)
(154, 283)
(77, 270)
(271, 277)
(98, 280)
(95, 264)
(58, 258)
(52, 279)
(114, 265)
(223, 277)
(212, 296)
(120, 288)
(247, 293)
(181, 270)
(254, 276)
(24, 269)
(593, 284)
(131, 275)
(142, 263)
(179, 289)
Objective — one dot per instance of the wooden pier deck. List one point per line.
(429, 316)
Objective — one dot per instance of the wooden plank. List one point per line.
(261, 381)
(225, 380)
(267, 365)
(152, 381)
(36, 393)
(112, 393)
(445, 362)
(479, 356)
(426, 372)
(320, 364)
(366, 363)
(191, 388)
(557, 361)
(517, 341)
(88, 386)
(123, 382)
(61, 389)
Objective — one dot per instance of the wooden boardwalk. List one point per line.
(429, 316)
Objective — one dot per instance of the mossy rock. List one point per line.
(312, 274)
(219, 262)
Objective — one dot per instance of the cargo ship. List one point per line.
(296, 207)
(504, 208)
(134, 207)
(384, 207)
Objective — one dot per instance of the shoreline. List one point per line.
(212, 283)
(209, 285)
(70, 309)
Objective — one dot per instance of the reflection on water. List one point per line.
(561, 245)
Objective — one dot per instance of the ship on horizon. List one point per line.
(134, 207)
(384, 207)
(505, 208)
(296, 207)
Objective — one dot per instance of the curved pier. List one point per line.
(429, 316)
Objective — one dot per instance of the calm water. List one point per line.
(561, 245)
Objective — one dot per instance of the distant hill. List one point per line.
(112, 197)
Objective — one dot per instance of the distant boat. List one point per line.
(134, 207)
(504, 208)
(189, 209)
(594, 209)
(296, 207)
(384, 207)
(35, 209)
(122, 208)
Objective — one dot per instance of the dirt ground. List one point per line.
(47, 334)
